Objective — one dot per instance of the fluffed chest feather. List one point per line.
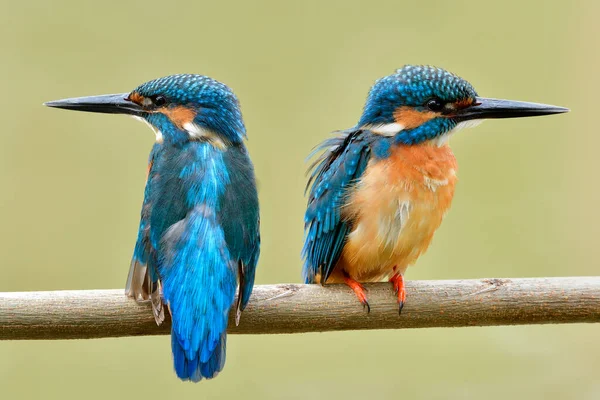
(396, 207)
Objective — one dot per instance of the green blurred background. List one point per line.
(526, 204)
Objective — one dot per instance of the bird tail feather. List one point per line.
(199, 284)
(193, 369)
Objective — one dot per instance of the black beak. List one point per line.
(495, 108)
(108, 104)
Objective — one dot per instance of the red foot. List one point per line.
(359, 290)
(397, 281)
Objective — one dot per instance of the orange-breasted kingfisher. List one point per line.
(199, 231)
(379, 190)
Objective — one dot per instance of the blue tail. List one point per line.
(199, 283)
(194, 369)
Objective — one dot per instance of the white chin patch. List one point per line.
(443, 139)
(159, 135)
(467, 124)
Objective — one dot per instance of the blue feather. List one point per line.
(202, 222)
(239, 218)
(339, 167)
(199, 282)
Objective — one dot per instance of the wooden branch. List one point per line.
(291, 308)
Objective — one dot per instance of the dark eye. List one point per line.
(435, 104)
(159, 100)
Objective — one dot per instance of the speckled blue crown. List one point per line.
(189, 88)
(412, 85)
(217, 106)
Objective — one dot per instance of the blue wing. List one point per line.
(142, 281)
(333, 173)
(239, 218)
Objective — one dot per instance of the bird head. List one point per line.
(177, 107)
(421, 103)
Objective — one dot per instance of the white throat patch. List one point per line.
(159, 135)
(195, 132)
(467, 124)
(443, 139)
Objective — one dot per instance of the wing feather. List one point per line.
(332, 175)
(142, 281)
(240, 219)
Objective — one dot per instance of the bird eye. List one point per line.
(435, 104)
(159, 100)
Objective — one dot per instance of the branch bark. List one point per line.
(292, 308)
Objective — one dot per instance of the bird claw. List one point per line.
(367, 306)
(397, 281)
(359, 290)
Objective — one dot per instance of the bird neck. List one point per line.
(196, 131)
(434, 132)
(383, 147)
(226, 122)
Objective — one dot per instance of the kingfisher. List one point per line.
(199, 231)
(378, 191)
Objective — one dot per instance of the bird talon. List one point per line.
(397, 281)
(359, 290)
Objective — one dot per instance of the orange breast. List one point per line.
(397, 206)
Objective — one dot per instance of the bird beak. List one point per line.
(495, 108)
(108, 104)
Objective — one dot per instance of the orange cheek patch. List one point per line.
(179, 115)
(411, 118)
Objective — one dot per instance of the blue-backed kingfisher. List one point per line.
(379, 190)
(199, 231)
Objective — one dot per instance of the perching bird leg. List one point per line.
(359, 290)
(397, 281)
